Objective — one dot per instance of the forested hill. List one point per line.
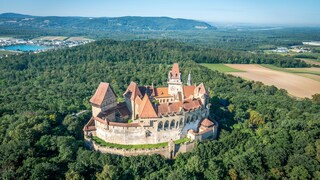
(264, 133)
(129, 23)
(155, 51)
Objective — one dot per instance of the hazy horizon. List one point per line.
(249, 12)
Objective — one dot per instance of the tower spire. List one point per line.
(189, 82)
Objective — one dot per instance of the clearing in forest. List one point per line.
(51, 38)
(296, 85)
(309, 61)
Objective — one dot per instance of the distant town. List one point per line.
(11, 46)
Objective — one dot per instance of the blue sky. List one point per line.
(276, 12)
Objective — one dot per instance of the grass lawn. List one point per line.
(138, 146)
(220, 67)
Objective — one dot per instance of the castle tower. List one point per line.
(189, 82)
(103, 99)
(174, 81)
(131, 95)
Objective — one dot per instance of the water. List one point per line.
(25, 47)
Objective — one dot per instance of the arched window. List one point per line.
(166, 124)
(181, 122)
(160, 125)
(172, 124)
(188, 119)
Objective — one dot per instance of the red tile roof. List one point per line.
(200, 89)
(169, 108)
(206, 122)
(188, 91)
(100, 93)
(175, 72)
(90, 126)
(146, 109)
(138, 100)
(192, 104)
(161, 92)
(134, 90)
(124, 124)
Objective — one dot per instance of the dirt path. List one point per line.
(295, 85)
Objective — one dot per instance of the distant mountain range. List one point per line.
(128, 23)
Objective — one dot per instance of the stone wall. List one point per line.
(152, 131)
(144, 135)
(164, 151)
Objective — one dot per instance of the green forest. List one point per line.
(264, 133)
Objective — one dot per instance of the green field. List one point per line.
(297, 71)
(138, 146)
(220, 67)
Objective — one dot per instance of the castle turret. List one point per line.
(174, 80)
(189, 82)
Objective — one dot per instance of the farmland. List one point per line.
(299, 82)
(221, 67)
(296, 85)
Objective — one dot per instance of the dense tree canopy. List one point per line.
(264, 133)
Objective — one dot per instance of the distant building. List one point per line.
(152, 115)
(281, 50)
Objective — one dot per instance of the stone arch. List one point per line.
(172, 124)
(160, 125)
(166, 125)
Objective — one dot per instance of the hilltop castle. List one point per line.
(151, 115)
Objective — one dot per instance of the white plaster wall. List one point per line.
(137, 135)
(95, 111)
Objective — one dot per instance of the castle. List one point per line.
(151, 115)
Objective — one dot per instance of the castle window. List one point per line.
(166, 125)
(172, 124)
(160, 125)
(188, 119)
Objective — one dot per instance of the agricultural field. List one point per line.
(312, 70)
(51, 38)
(78, 39)
(221, 67)
(299, 82)
(311, 61)
(296, 85)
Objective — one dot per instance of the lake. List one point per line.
(24, 47)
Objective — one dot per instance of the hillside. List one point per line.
(265, 134)
(129, 23)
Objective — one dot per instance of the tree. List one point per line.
(299, 172)
(109, 172)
